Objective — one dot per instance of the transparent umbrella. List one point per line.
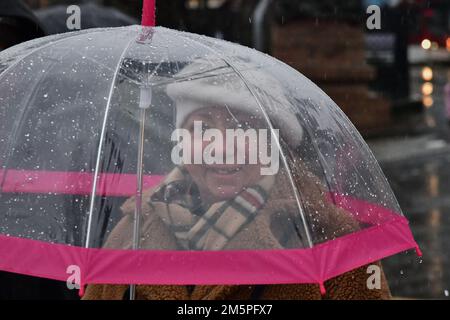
(143, 155)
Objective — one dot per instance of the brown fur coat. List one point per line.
(265, 231)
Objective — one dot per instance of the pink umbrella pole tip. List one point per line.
(148, 13)
(418, 251)
(81, 291)
(323, 291)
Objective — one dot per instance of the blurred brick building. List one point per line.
(326, 43)
(332, 54)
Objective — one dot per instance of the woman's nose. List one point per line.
(224, 146)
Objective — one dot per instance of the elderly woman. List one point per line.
(231, 205)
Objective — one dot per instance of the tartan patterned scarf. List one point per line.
(196, 228)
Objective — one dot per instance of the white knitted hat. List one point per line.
(211, 83)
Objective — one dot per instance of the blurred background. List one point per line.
(392, 82)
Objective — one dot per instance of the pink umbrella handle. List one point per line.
(148, 13)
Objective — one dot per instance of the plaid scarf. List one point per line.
(198, 229)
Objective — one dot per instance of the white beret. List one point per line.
(211, 83)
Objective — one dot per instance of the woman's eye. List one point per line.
(205, 127)
(243, 125)
(193, 127)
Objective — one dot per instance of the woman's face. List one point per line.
(218, 182)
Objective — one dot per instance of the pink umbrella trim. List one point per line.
(76, 183)
(113, 266)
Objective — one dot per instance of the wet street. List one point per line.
(417, 165)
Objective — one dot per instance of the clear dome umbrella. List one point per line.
(144, 155)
